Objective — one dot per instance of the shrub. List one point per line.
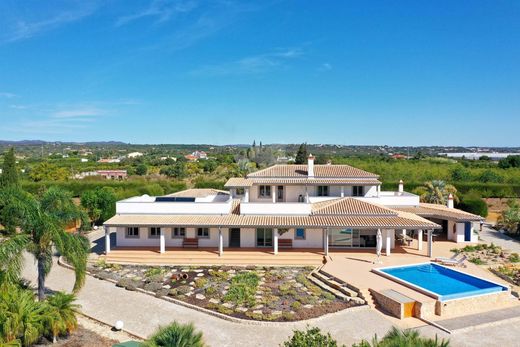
(296, 305)
(183, 290)
(175, 334)
(310, 337)
(201, 282)
(154, 271)
(474, 205)
(127, 283)
(153, 286)
(514, 258)
(243, 288)
(396, 337)
(221, 276)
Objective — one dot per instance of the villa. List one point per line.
(306, 207)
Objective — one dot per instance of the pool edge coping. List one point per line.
(430, 293)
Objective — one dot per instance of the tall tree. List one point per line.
(437, 192)
(43, 229)
(9, 176)
(301, 155)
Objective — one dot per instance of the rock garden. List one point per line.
(257, 293)
(501, 262)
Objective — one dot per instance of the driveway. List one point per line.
(490, 235)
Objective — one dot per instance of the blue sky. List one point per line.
(201, 71)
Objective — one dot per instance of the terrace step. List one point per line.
(340, 282)
(340, 292)
(335, 284)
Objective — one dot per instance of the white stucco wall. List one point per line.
(313, 238)
(247, 237)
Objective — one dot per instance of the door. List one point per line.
(234, 238)
(467, 231)
(279, 194)
(264, 237)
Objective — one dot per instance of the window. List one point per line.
(154, 232)
(323, 190)
(358, 191)
(299, 234)
(132, 232)
(178, 232)
(203, 232)
(264, 191)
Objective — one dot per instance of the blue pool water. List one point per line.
(442, 282)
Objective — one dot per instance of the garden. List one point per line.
(501, 262)
(256, 293)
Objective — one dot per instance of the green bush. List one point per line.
(175, 334)
(243, 289)
(514, 258)
(310, 338)
(403, 338)
(474, 205)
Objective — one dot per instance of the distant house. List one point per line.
(196, 156)
(84, 160)
(134, 155)
(109, 160)
(113, 174)
(398, 156)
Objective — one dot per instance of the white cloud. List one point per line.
(78, 113)
(7, 95)
(161, 10)
(19, 107)
(251, 65)
(22, 29)
(325, 67)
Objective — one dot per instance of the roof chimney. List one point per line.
(310, 166)
(401, 187)
(450, 201)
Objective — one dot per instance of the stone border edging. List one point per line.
(62, 262)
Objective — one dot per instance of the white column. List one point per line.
(306, 194)
(220, 242)
(273, 193)
(107, 240)
(326, 241)
(430, 243)
(378, 190)
(342, 191)
(388, 242)
(404, 234)
(162, 241)
(246, 194)
(275, 241)
(419, 239)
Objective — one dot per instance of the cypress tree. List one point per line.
(301, 155)
(9, 176)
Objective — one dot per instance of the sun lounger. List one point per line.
(441, 259)
(453, 262)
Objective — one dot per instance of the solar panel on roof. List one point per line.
(174, 199)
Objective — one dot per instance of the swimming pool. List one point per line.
(439, 281)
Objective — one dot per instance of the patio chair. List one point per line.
(441, 259)
(454, 262)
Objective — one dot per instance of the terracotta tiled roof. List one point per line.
(235, 182)
(198, 193)
(439, 211)
(315, 181)
(350, 206)
(322, 171)
(231, 220)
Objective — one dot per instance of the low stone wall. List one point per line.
(388, 305)
(424, 310)
(473, 304)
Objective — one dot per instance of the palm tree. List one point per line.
(437, 192)
(43, 229)
(176, 334)
(404, 338)
(60, 315)
(21, 317)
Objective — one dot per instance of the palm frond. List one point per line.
(11, 257)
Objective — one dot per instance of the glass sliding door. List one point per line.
(352, 238)
(264, 237)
